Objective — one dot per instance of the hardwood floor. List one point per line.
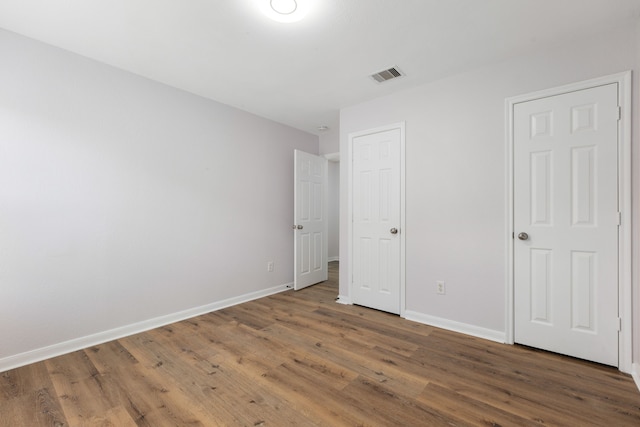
(300, 359)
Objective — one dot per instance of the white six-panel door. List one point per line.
(310, 219)
(376, 220)
(566, 223)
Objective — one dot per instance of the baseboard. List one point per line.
(48, 352)
(463, 328)
(333, 258)
(343, 300)
(635, 374)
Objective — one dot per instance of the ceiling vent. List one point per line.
(385, 75)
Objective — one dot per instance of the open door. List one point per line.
(310, 219)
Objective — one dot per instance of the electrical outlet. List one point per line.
(440, 288)
(270, 266)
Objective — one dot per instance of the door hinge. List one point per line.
(619, 219)
(619, 324)
(619, 112)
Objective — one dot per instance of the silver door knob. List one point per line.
(394, 231)
(523, 236)
(299, 227)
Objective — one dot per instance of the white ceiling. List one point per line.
(302, 73)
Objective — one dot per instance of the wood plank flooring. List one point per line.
(300, 359)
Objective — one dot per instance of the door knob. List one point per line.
(394, 231)
(300, 227)
(523, 236)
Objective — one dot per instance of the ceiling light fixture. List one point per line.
(284, 7)
(285, 10)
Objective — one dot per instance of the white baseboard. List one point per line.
(333, 258)
(635, 374)
(451, 325)
(54, 350)
(484, 333)
(343, 300)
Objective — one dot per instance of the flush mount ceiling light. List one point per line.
(284, 7)
(285, 10)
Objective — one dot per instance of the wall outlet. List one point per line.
(270, 266)
(440, 287)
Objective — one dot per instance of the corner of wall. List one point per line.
(635, 374)
(342, 299)
(329, 141)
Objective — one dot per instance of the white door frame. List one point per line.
(351, 137)
(624, 197)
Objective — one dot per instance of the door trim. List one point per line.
(624, 199)
(351, 137)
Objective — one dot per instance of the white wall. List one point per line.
(456, 177)
(330, 141)
(124, 200)
(636, 209)
(330, 144)
(333, 205)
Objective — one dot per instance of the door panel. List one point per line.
(565, 200)
(540, 281)
(376, 211)
(310, 228)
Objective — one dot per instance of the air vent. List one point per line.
(385, 75)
